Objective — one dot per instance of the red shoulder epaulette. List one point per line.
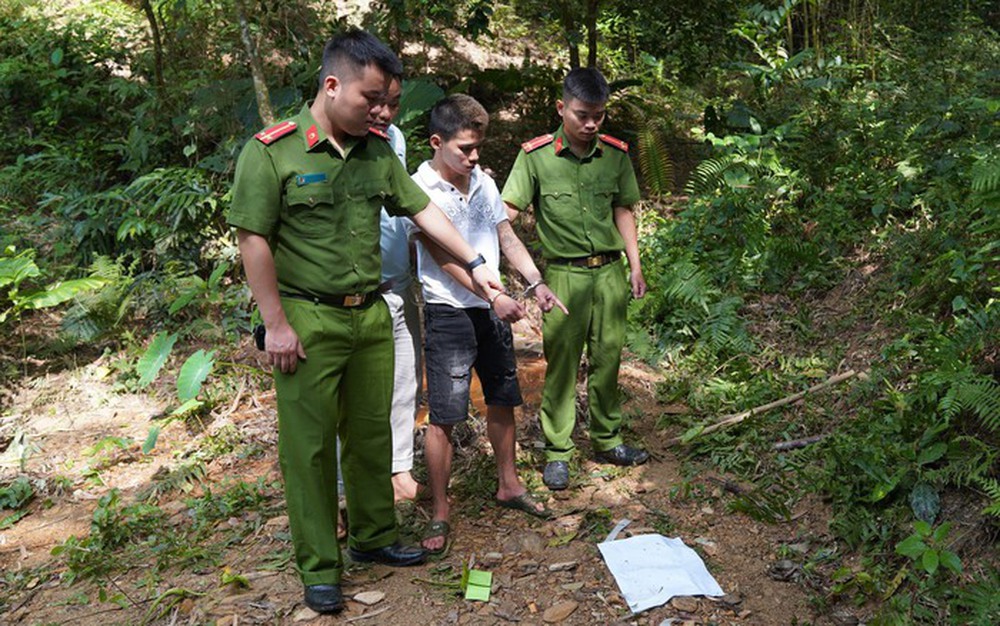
(276, 132)
(537, 142)
(614, 142)
(378, 133)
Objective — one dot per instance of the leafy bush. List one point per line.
(816, 170)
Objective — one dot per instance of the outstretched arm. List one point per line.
(438, 228)
(507, 308)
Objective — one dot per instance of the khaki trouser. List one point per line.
(343, 387)
(597, 300)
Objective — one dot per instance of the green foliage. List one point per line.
(183, 478)
(164, 214)
(124, 534)
(193, 373)
(113, 528)
(844, 207)
(96, 314)
(18, 267)
(654, 161)
(978, 601)
(768, 503)
(190, 378)
(415, 102)
(925, 547)
(16, 494)
(155, 357)
(814, 171)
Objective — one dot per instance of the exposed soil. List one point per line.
(56, 423)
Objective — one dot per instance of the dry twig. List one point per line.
(736, 418)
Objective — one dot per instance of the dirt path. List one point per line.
(83, 439)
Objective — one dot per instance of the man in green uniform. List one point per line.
(582, 185)
(306, 203)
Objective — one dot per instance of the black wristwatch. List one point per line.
(476, 262)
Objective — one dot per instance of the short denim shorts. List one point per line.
(456, 341)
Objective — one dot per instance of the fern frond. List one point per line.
(708, 173)
(182, 478)
(977, 601)
(725, 329)
(982, 398)
(992, 488)
(986, 176)
(688, 284)
(970, 459)
(765, 504)
(654, 161)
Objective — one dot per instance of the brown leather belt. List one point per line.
(343, 301)
(591, 262)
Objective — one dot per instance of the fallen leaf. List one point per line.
(369, 598)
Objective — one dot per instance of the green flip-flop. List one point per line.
(526, 504)
(436, 528)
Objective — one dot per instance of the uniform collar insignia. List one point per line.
(312, 136)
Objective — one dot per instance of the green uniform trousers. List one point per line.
(597, 300)
(343, 387)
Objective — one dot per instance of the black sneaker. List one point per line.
(556, 475)
(622, 455)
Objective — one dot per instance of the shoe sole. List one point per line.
(417, 560)
(606, 461)
(554, 486)
(326, 609)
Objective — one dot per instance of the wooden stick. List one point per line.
(739, 417)
(795, 444)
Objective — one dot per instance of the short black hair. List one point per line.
(353, 50)
(456, 113)
(586, 84)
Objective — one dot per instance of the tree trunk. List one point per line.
(259, 84)
(154, 26)
(591, 19)
(568, 18)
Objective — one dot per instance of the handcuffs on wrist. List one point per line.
(530, 289)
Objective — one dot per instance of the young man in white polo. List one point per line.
(464, 331)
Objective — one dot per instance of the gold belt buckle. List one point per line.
(595, 261)
(354, 300)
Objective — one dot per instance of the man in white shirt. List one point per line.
(464, 331)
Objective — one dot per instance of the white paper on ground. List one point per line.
(651, 569)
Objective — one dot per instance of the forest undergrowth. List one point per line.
(822, 195)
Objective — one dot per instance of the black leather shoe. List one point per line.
(396, 554)
(623, 455)
(556, 475)
(324, 598)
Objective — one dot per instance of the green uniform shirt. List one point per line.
(574, 198)
(318, 209)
